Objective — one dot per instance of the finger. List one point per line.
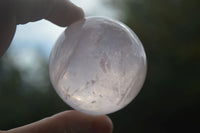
(68, 122)
(7, 30)
(60, 12)
(65, 13)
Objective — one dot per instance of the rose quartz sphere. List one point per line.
(98, 65)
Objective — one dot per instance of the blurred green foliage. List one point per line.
(24, 102)
(170, 99)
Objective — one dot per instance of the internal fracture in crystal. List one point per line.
(98, 65)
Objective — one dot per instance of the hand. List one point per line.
(13, 12)
(68, 122)
(62, 13)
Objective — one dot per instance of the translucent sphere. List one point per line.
(98, 65)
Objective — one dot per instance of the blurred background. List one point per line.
(170, 99)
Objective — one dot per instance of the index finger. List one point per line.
(60, 12)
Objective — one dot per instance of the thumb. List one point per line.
(68, 122)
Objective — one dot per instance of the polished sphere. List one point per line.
(98, 65)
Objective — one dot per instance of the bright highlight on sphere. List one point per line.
(98, 65)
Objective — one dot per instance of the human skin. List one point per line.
(59, 12)
(68, 122)
(62, 13)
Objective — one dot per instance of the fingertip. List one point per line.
(65, 13)
(102, 124)
(77, 122)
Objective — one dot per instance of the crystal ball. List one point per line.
(98, 65)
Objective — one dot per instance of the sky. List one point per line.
(42, 35)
